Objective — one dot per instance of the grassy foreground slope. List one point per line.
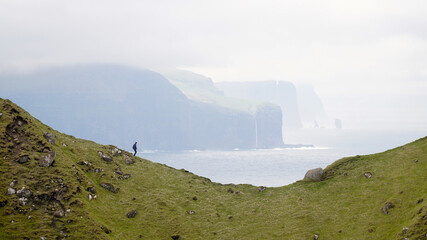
(176, 204)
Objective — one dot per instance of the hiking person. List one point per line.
(134, 148)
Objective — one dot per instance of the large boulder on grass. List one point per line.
(314, 174)
(47, 160)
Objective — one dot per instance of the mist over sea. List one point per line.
(278, 167)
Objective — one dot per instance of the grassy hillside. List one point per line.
(176, 204)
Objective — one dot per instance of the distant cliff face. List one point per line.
(276, 92)
(310, 106)
(264, 120)
(218, 127)
(268, 120)
(120, 105)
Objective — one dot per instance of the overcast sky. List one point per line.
(356, 49)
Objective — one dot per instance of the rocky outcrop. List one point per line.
(109, 187)
(107, 158)
(11, 191)
(24, 192)
(23, 159)
(129, 160)
(314, 174)
(387, 206)
(367, 174)
(47, 160)
(49, 137)
(116, 152)
(131, 214)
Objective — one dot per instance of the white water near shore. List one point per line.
(278, 167)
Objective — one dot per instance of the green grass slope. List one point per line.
(176, 204)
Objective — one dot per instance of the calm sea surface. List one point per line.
(278, 167)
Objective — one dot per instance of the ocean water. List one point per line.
(269, 167)
(278, 167)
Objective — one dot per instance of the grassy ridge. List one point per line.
(172, 203)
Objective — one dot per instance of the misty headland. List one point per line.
(117, 104)
(186, 120)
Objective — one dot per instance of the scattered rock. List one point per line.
(43, 238)
(91, 190)
(64, 145)
(29, 217)
(420, 200)
(107, 158)
(126, 176)
(49, 137)
(90, 197)
(1, 114)
(416, 161)
(23, 192)
(118, 172)
(387, 207)
(116, 152)
(195, 198)
(230, 217)
(47, 160)
(230, 190)
(131, 214)
(129, 160)
(23, 201)
(109, 187)
(368, 174)
(100, 153)
(11, 191)
(23, 159)
(59, 213)
(175, 237)
(13, 183)
(191, 212)
(20, 121)
(315, 237)
(262, 188)
(405, 230)
(314, 174)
